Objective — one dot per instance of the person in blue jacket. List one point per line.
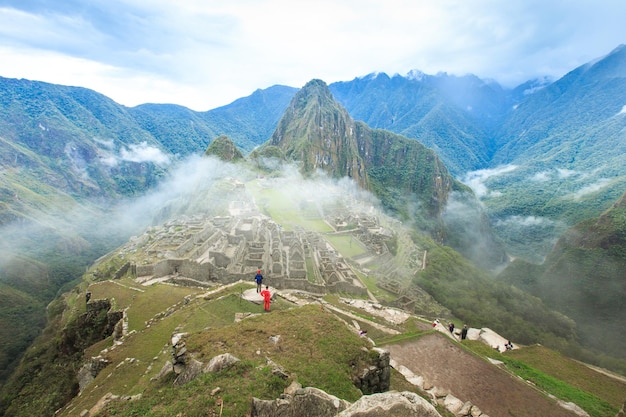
(259, 280)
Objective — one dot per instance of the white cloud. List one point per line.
(204, 54)
(476, 179)
(542, 176)
(523, 221)
(589, 189)
(143, 153)
(566, 173)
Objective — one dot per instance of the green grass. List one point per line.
(194, 399)
(310, 271)
(346, 245)
(281, 206)
(148, 345)
(577, 374)
(143, 302)
(549, 381)
(308, 346)
(308, 350)
(380, 294)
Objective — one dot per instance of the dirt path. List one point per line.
(497, 393)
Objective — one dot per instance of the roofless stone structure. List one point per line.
(223, 249)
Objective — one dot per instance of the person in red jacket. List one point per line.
(267, 296)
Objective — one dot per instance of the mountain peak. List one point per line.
(317, 132)
(224, 148)
(314, 92)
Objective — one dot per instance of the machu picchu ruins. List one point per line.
(206, 250)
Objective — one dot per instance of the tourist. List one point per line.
(259, 280)
(508, 345)
(267, 296)
(464, 332)
(451, 327)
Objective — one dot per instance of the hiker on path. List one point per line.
(259, 280)
(464, 332)
(451, 327)
(267, 296)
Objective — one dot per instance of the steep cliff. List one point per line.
(318, 132)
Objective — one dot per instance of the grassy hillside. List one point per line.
(302, 340)
(306, 348)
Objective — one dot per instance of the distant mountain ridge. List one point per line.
(449, 114)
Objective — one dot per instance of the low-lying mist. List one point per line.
(195, 186)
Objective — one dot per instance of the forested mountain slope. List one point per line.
(584, 278)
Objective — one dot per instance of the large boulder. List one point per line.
(392, 403)
(220, 362)
(310, 402)
(313, 402)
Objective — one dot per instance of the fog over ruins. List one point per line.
(205, 249)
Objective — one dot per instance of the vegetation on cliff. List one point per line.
(586, 268)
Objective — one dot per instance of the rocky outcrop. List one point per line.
(313, 402)
(90, 370)
(397, 404)
(225, 149)
(105, 400)
(377, 377)
(96, 323)
(220, 362)
(187, 368)
(318, 132)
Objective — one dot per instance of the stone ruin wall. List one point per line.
(229, 249)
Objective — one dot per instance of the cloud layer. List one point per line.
(204, 54)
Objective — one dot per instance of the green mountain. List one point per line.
(224, 148)
(249, 121)
(408, 178)
(318, 133)
(455, 116)
(403, 268)
(544, 155)
(548, 156)
(69, 156)
(584, 278)
(566, 151)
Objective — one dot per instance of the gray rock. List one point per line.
(453, 404)
(168, 368)
(90, 369)
(393, 403)
(189, 372)
(310, 402)
(220, 362)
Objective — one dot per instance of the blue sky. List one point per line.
(207, 53)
